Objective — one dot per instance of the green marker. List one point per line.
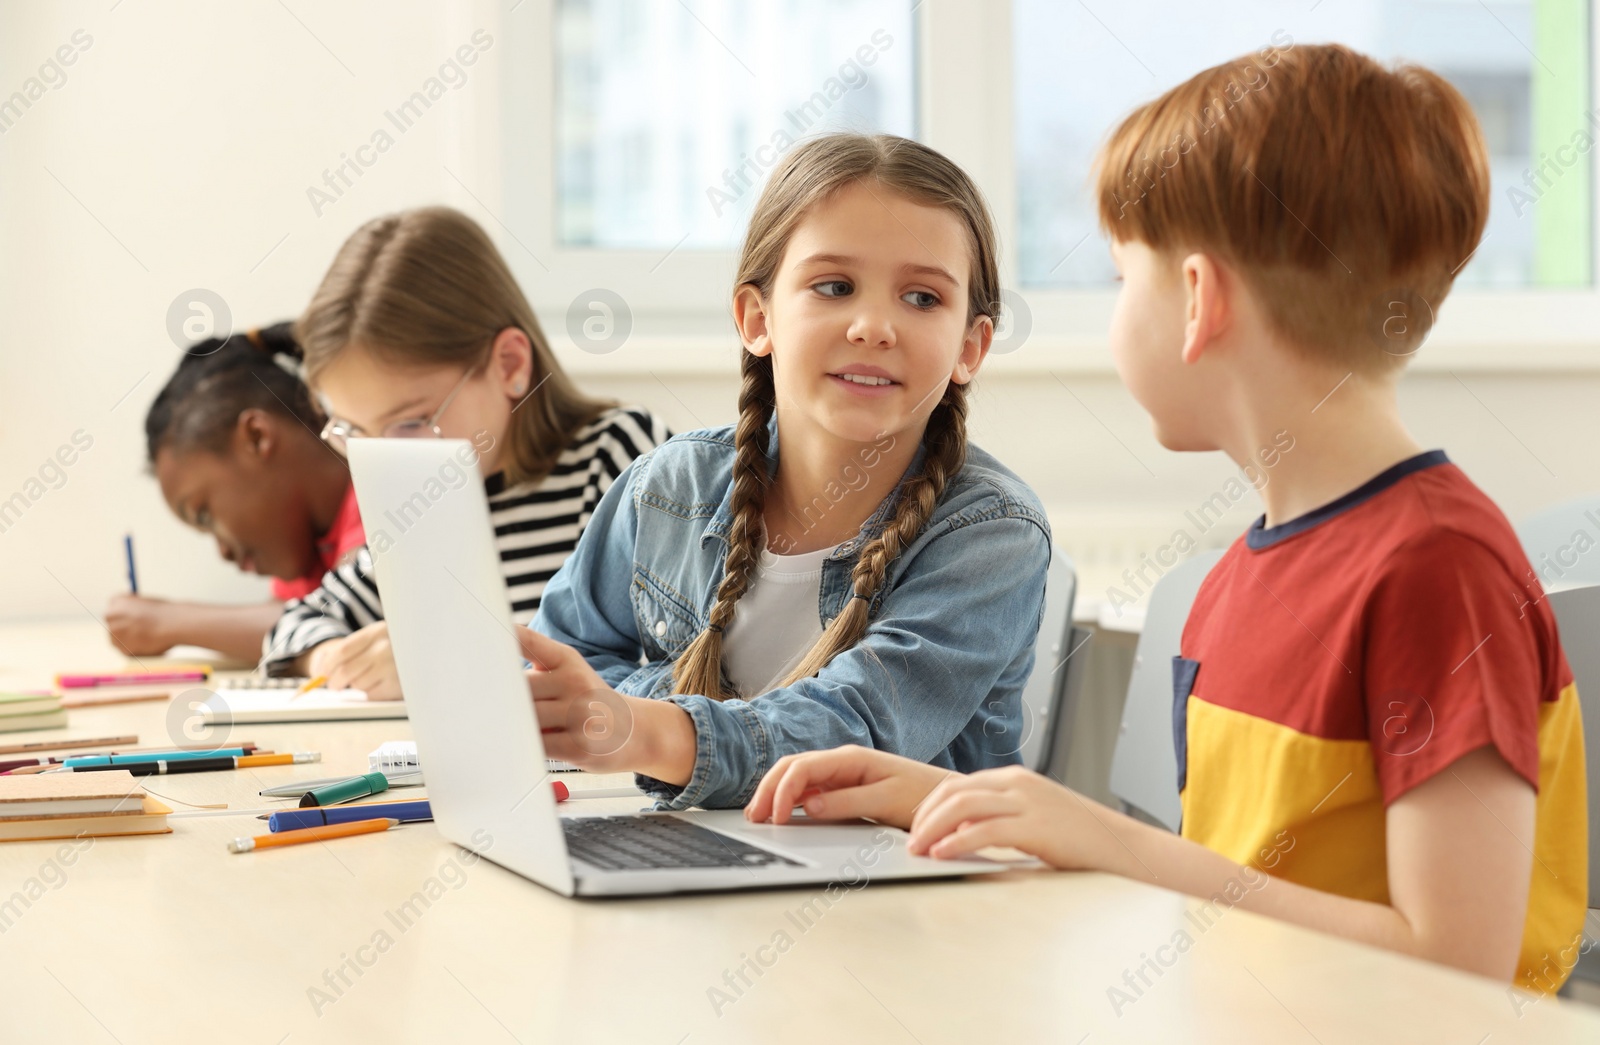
(345, 790)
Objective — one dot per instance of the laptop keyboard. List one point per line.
(634, 843)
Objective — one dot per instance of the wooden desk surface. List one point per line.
(403, 937)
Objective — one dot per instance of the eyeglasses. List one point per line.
(337, 433)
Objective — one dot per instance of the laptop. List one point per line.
(438, 570)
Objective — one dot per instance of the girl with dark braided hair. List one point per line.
(232, 439)
(840, 566)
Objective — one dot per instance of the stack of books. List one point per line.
(77, 805)
(19, 711)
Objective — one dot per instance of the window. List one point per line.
(1524, 67)
(637, 135)
(669, 116)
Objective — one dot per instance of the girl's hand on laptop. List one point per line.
(845, 783)
(586, 722)
(363, 660)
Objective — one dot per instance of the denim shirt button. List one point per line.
(661, 628)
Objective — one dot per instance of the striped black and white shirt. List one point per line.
(536, 527)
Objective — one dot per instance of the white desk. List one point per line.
(172, 939)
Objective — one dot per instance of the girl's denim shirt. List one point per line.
(937, 677)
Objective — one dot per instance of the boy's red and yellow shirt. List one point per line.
(1334, 662)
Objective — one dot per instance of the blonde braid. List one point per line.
(811, 172)
(699, 670)
(946, 443)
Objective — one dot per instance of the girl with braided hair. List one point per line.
(840, 566)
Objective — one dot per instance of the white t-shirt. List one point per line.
(775, 623)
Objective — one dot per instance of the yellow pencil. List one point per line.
(312, 834)
(285, 759)
(311, 684)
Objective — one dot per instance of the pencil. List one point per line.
(96, 698)
(311, 684)
(63, 743)
(312, 834)
(285, 759)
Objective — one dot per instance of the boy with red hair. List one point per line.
(1378, 734)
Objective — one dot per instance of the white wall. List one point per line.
(178, 153)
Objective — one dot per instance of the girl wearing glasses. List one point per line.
(232, 439)
(419, 330)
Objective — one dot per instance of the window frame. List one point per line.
(963, 74)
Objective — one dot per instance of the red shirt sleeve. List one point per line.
(1457, 657)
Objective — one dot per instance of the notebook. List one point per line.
(149, 819)
(284, 704)
(29, 703)
(38, 710)
(400, 756)
(56, 795)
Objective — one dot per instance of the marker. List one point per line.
(345, 791)
(311, 684)
(26, 766)
(39, 765)
(297, 788)
(175, 755)
(133, 678)
(294, 819)
(311, 834)
(127, 549)
(197, 765)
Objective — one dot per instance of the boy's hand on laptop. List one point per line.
(1013, 807)
(586, 722)
(845, 783)
(363, 660)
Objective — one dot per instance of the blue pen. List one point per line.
(127, 548)
(153, 756)
(293, 819)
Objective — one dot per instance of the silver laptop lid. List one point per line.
(428, 528)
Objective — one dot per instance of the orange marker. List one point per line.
(312, 834)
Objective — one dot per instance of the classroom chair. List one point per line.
(1144, 765)
(1053, 685)
(1559, 554)
(1577, 613)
